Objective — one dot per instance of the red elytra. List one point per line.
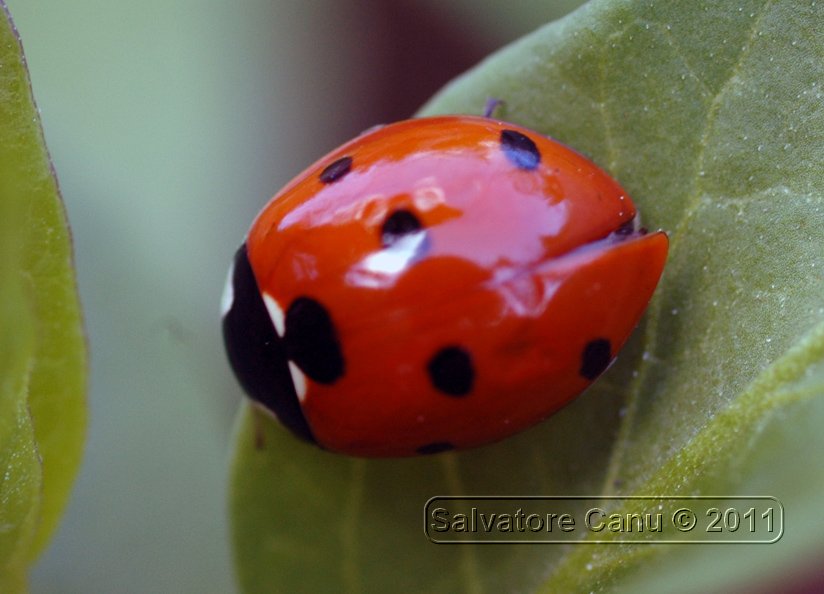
(437, 283)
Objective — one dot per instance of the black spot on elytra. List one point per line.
(335, 171)
(398, 224)
(312, 342)
(435, 448)
(520, 150)
(451, 372)
(256, 353)
(595, 358)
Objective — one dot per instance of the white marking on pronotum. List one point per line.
(299, 380)
(228, 297)
(275, 313)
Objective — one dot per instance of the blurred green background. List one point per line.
(170, 124)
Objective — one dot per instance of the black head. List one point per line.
(256, 352)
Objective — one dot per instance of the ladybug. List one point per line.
(434, 284)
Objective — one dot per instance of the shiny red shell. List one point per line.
(521, 256)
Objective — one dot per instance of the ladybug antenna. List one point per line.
(492, 104)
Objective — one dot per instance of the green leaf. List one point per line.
(42, 347)
(711, 116)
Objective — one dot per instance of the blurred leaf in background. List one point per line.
(42, 347)
(172, 123)
(711, 116)
(497, 21)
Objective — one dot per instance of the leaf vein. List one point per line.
(673, 41)
(694, 200)
(693, 204)
(350, 568)
(469, 566)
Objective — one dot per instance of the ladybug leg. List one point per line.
(492, 103)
